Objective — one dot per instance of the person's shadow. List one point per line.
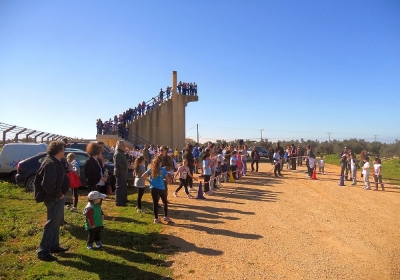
(106, 269)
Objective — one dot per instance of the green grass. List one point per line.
(390, 168)
(134, 248)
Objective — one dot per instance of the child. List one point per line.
(224, 168)
(365, 173)
(207, 173)
(138, 171)
(233, 164)
(183, 172)
(71, 159)
(176, 155)
(321, 165)
(378, 174)
(277, 163)
(156, 175)
(353, 168)
(94, 219)
(239, 168)
(312, 163)
(286, 158)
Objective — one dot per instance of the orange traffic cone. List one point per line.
(314, 175)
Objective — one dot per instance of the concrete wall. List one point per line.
(165, 124)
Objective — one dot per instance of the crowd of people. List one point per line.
(119, 123)
(160, 166)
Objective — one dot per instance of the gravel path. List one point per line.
(289, 228)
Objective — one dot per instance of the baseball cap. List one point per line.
(95, 195)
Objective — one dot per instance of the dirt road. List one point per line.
(288, 228)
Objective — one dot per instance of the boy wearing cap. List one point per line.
(94, 219)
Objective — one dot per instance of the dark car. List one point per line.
(27, 168)
(107, 153)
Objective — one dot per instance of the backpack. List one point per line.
(38, 189)
(256, 155)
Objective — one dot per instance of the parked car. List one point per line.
(27, 168)
(107, 153)
(261, 151)
(13, 153)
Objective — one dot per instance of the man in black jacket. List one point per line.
(51, 185)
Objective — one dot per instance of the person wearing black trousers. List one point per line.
(255, 159)
(293, 156)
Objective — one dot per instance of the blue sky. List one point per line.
(297, 69)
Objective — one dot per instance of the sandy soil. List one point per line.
(286, 228)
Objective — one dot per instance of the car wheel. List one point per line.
(12, 177)
(30, 183)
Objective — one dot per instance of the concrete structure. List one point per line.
(165, 124)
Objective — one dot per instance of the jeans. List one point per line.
(155, 195)
(343, 168)
(51, 232)
(293, 161)
(277, 169)
(121, 192)
(244, 166)
(299, 161)
(252, 165)
(378, 179)
(207, 183)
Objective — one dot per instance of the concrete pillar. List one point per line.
(174, 82)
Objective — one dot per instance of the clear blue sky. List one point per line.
(297, 69)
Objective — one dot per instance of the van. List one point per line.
(13, 153)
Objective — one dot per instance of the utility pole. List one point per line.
(329, 133)
(197, 133)
(375, 137)
(261, 134)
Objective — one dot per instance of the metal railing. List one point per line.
(12, 133)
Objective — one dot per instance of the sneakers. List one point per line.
(190, 196)
(366, 188)
(73, 209)
(68, 206)
(140, 211)
(167, 219)
(175, 194)
(99, 245)
(156, 221)
(90, 247)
